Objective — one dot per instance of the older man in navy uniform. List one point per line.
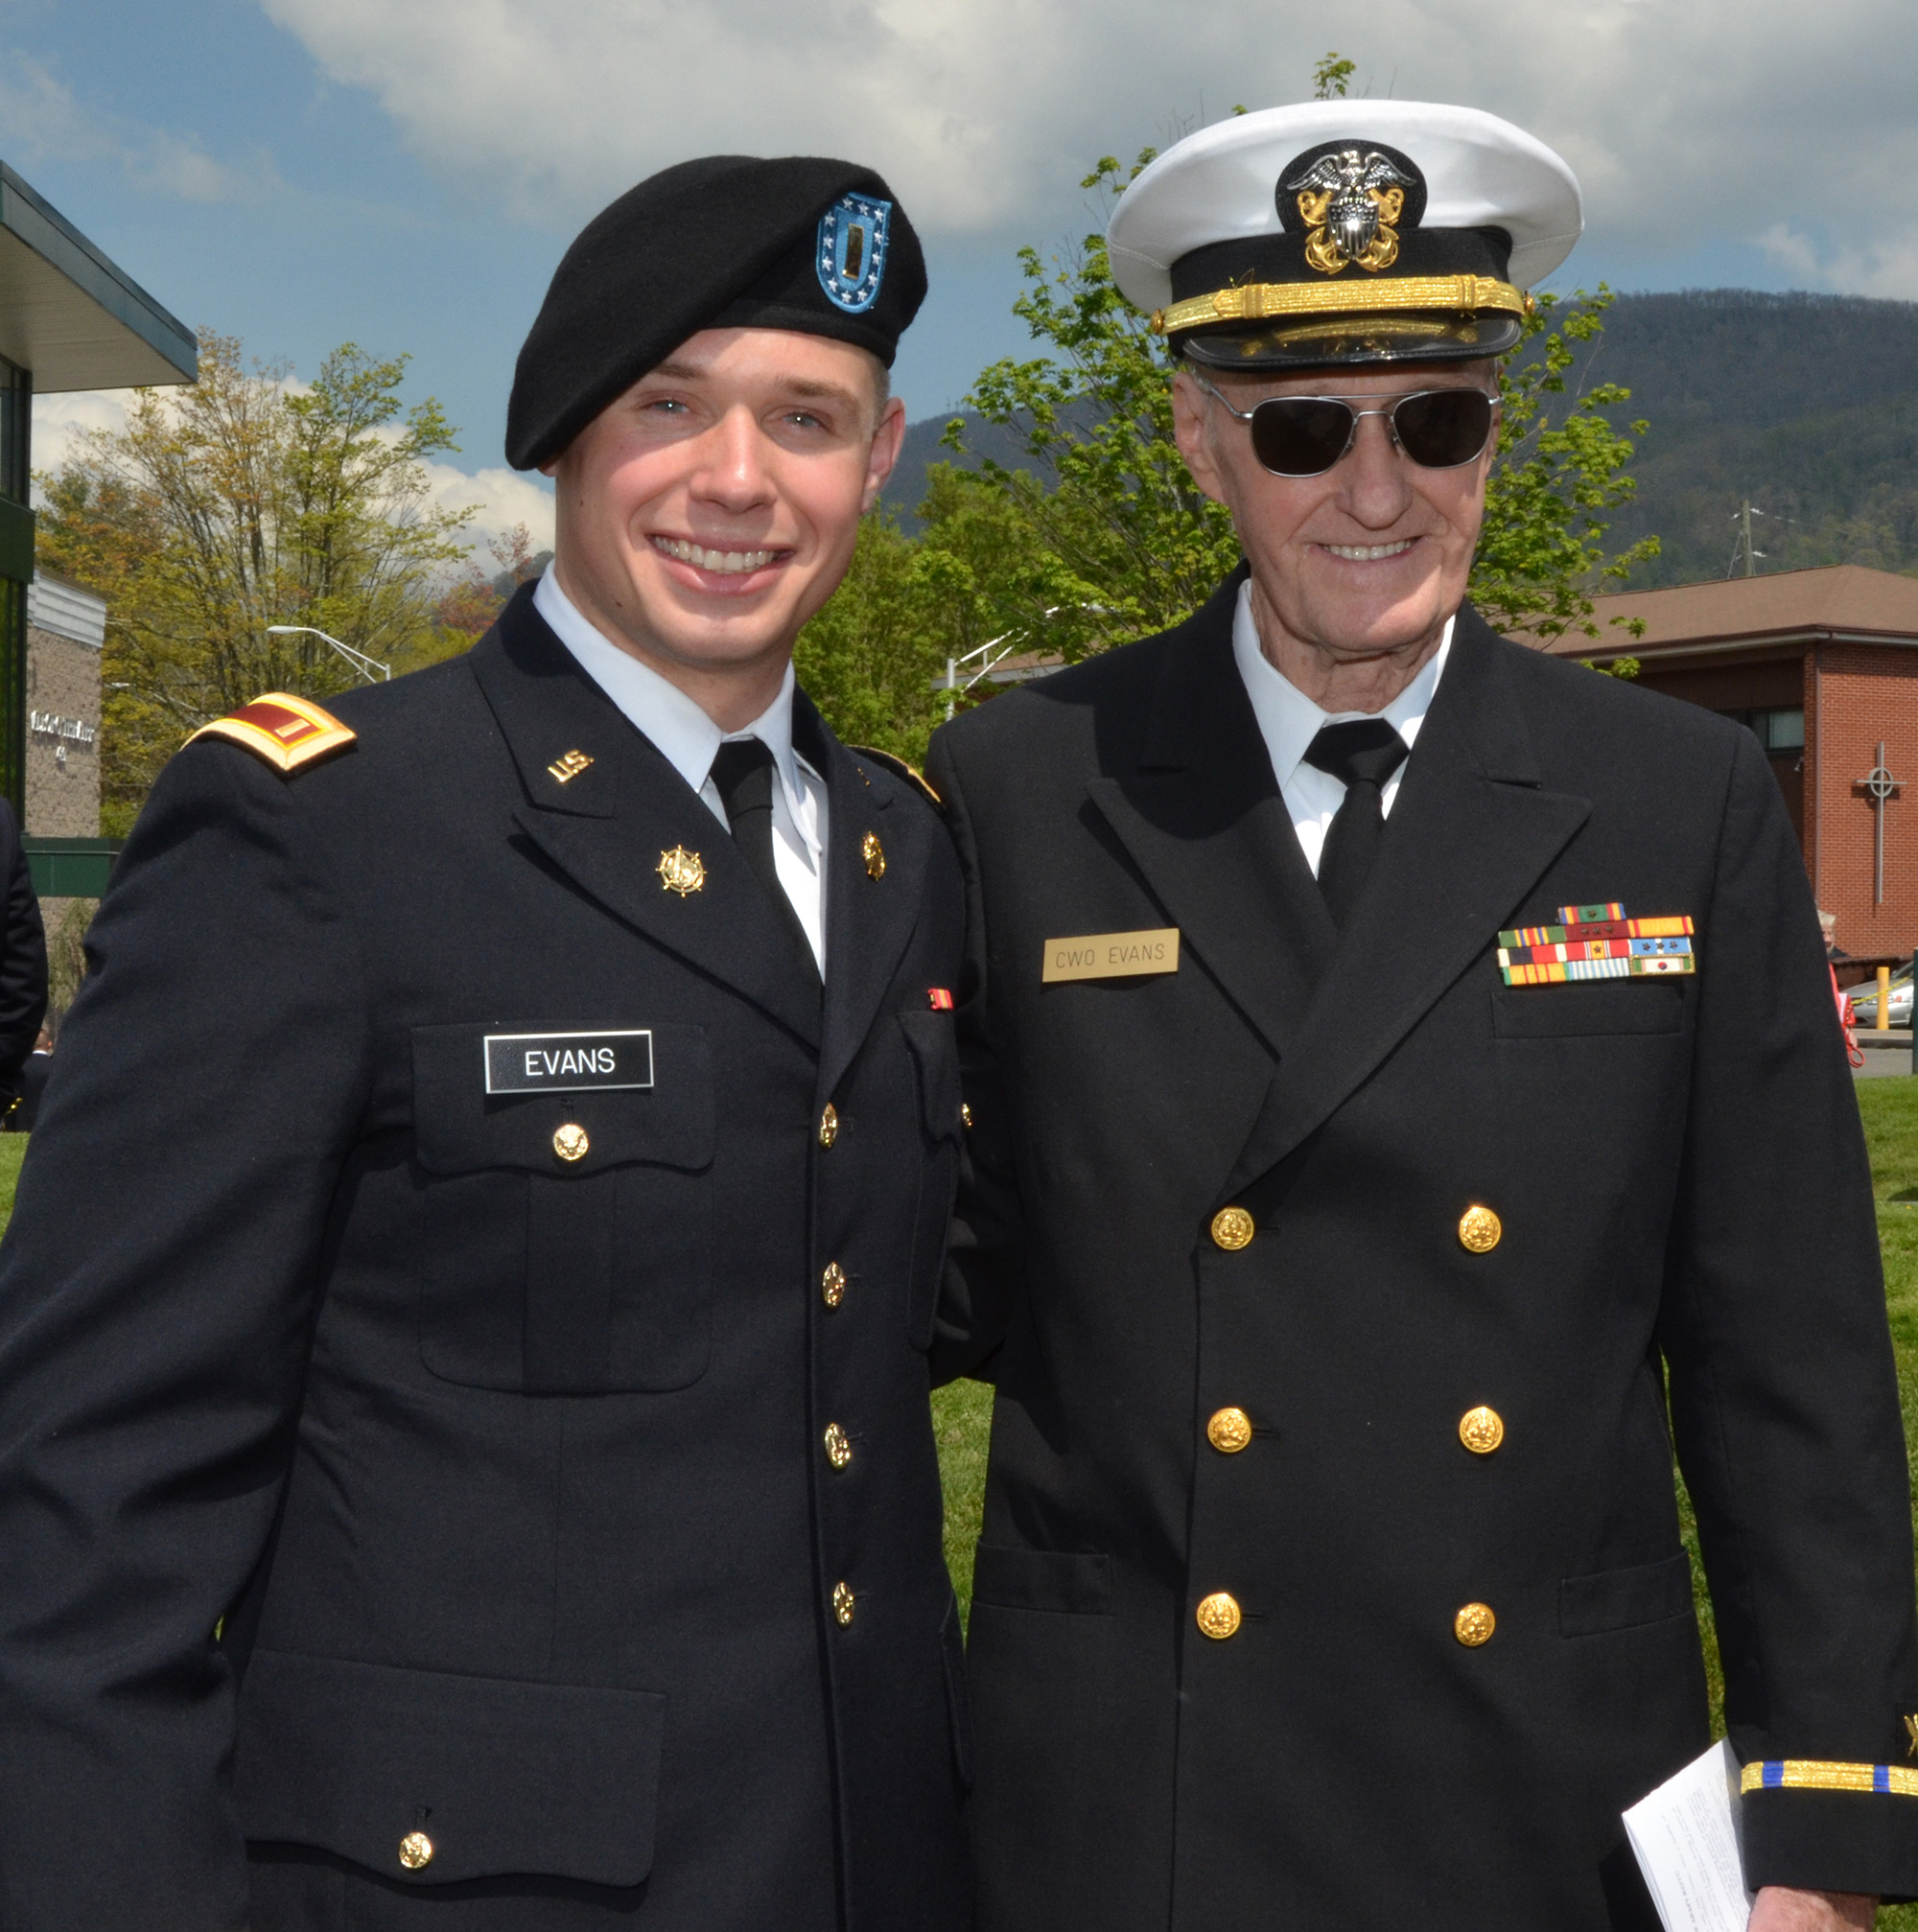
(1399, 1059)
(464, 1447)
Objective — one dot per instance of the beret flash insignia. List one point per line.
(286, 732)
(853, 237)
(1350, 201)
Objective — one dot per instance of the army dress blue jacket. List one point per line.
(437, 1273)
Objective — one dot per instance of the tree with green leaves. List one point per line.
(241, 501)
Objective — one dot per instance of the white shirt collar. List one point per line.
(1289, 720)
(678, 729)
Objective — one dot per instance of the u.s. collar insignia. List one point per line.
(853, 234)
(1348, 198)
(681, 871)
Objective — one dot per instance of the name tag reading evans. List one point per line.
(564, 1062)
(1112, 955)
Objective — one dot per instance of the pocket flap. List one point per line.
(1595, 1006)
(1043, 1579)
(460, 1128)
(935, 1051)
(500, 1777)
(1618, 1599)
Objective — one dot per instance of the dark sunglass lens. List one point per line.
(1444, 428)
(1301, 435)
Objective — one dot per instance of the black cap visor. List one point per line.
(1332, 341)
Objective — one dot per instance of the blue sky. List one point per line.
(403, 173)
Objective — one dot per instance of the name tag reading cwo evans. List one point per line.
(1112, 955)
(564, 1062)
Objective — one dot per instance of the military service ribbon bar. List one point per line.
(1596, 941)
(1812, 1773)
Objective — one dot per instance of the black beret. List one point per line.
(728, 242)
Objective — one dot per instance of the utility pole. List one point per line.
(1743, 547)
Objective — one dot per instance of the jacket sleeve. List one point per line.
(1784, 1393)
(23, 958)
(985, 1265)
(156, 1293)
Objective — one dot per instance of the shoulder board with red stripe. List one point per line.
(285, 730)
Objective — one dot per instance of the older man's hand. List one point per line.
(1779, 1909)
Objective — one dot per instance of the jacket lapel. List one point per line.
(1471, 831)
(868, 920)
(607, 826)
(1201, 816)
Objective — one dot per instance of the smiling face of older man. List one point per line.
(1355, 571)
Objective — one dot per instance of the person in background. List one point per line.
(26, 1108)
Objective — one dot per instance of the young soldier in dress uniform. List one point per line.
(1395, 1055)
(464, 1450)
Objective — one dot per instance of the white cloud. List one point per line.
(42, 117)
(497, 499)
(1884, 264)
(61, 421)
(1687, 120)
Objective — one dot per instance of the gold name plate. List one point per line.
(1112, 955)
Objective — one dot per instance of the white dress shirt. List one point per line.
(1289, 721)
(689, 740)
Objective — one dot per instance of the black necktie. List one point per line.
(1362, 755)
(743, 777)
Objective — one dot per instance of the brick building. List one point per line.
(1822, 666)
(67, 626)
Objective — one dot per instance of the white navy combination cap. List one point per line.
(1345, 231)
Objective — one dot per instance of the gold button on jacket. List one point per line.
(415, 1850)
(1479, 1230)
(570, 1142)
(842, 1603)
(838, 1446)
(833, 1285)
(1229, 1430)
(1482, 1429)
(828, 1125)
(1474, 1625)
(1231, 1228)
(1217, 1615)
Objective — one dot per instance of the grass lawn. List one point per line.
(964, 1412)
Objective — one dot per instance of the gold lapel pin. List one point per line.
(1912, 1732)
(569, 767)
(873, 853)
(681, 871)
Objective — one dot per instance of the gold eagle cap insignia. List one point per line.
(1349, 200)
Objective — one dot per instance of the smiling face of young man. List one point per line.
(708, 512)
(1355, 571)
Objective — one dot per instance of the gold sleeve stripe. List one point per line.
(285, 730)
(1814, 1773)
(1455, 295)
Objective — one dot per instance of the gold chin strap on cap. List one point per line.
(1255, 301)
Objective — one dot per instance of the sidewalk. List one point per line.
(1885, 1053)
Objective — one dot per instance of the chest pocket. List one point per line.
(935, 1060)
(569, 1234)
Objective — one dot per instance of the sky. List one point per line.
(404, 174)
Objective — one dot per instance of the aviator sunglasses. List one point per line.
(1306, 435)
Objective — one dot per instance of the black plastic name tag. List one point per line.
(564, 1062)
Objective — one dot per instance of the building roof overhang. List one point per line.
(71, 315)
(1778, 616)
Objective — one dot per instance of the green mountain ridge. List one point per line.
(1806, 405)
